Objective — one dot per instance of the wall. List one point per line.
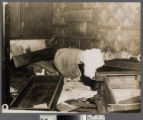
(112, 27)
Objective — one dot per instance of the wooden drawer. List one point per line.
(40, 93)
(122, 93)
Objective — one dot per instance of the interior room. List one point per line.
(71, 57)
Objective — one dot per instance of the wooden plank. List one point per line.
(131, 100)
(118, 73)
(44, 54)
(123, 82)
(99, 77)
(139, 78)
(86, 110)
(123, 107)
(65, 107)
(81, 104)
(110, 97)
(123, 94)
(21, 60)
(26, 59)
(125, 64)
(100, 104)
(79, 15)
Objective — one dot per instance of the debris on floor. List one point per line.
(75, 90)
(77, 106)
(74, 98)
(44, 105)
(43, 66)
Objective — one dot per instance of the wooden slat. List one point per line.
(101, 76)
(21, 60)
(26, 59)
(44, 54)
(123, 82)
(123, 94)
(124, 64)
(100, 104)
(123, 107)
(110, 73)
(81, 104)
(65, 107)
(131, 100)
(86, 110)
(110, 97)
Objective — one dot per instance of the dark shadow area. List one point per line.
(87, 81)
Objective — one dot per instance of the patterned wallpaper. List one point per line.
(112, 26)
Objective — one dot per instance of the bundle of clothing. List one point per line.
(67, 59)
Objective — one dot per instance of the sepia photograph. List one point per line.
(71, 57)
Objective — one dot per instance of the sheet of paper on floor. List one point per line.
(75, 90)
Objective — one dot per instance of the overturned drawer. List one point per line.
(122, 94)
(40, 93)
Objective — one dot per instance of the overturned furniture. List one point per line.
(40, 93)
(119, 90)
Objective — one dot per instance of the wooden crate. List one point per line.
(122, 93)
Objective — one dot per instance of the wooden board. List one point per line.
(109, 95)
(125, 64)
(26, 59)
(21, 60)
(125, 94)
(100, 104)
(124, 107)
(124, 82)
(124, 72)
(131, 100)
(101, 75)
(41, 92)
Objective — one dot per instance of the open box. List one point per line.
(40, 93)
(122, 93)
